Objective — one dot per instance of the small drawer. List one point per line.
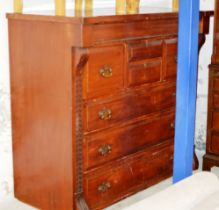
(104, 70)
(126, 140)
(144, 72)
(171, 58)
(111, 183)
(171, 47)
(104, 114)
(216, 101)
(171, 68)
(215, 120)
(145, 49)
(216, 80)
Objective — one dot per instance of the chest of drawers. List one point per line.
(93, 102)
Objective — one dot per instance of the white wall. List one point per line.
(6, 180)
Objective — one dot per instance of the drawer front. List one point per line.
(145, 49)
(171, 58)
(214, 146)
(215, 120)
(216, 80)
(102, 115)
(107, 185)
(104, 70)
(215, 100)
(108, 145)
(144, 72)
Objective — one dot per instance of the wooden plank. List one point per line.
(186, 88)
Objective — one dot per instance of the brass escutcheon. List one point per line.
(105, 149)
(104, 187)
(105, 114)
(106, 71)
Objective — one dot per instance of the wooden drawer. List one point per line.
(104, 70)
(171, 58)
(145, 49)
(104, 114)
(214, 145)
(215, 100)
(108, 145)
(216, 80)
(171, 46)
(113, 182)
(144, 72)
(215, 120)
(171, 68)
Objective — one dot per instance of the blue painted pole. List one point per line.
(186, 88)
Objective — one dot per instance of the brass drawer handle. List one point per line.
(106, 71)
(104, 187)
(172, 125)
(105, 114)
(105, 149)
(174, 94)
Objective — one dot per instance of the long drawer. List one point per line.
(106, 146)
(135, 104)
(111, 183)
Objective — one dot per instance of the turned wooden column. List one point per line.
(175, 5)
(120, 6)
(88, 8)
(60, 7)
(18, 6)
(132, 6)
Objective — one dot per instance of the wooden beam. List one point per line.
(60, 7)
(186, 88)
(18, 6)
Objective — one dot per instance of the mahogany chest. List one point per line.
(211, 158)
(93, 101)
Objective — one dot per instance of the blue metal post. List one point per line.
(186, 88)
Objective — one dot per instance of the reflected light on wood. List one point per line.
(60, 7)
(18, 6)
